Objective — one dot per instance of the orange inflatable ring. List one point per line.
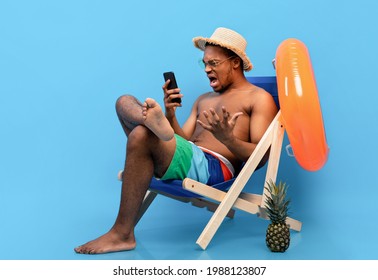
(300, 106)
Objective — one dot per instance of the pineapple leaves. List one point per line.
(277, 203)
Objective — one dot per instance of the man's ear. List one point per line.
(237, 61)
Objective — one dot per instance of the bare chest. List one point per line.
(232, 104)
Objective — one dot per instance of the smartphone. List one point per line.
(172, 84)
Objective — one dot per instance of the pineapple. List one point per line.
(278, 233)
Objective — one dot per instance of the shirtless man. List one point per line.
(224, 128)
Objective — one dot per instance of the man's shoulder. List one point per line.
(255, 93)
(259, 98)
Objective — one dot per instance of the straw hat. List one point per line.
(228, 39)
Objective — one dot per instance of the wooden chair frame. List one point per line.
(234, 197)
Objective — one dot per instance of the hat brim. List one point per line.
(200, 43)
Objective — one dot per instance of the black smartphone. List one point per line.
(172, 84)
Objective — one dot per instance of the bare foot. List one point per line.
(109, 242)
(155, 120)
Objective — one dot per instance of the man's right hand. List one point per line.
(169, 95)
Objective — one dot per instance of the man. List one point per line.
(224, 127)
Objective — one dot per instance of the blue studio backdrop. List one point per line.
(63, 64)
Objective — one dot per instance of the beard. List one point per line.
(224, 86)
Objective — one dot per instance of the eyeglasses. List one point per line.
(212, 63)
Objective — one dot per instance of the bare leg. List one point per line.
(146, 155)
(130, 112)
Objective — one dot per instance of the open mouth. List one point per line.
(213, 81)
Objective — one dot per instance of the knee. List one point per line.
(140, 136)
(123, 101)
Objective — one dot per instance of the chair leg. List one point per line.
(244, 202)
(274, 158)
(210, 206)
(148, 198)
(294, 224)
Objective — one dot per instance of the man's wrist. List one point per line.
(230, 142)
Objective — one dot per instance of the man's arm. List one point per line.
(187, 130)
(261, 117)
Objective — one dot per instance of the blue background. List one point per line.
(64, 63)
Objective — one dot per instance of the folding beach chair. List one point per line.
(224, 198)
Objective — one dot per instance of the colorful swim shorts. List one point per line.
(189, 161)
